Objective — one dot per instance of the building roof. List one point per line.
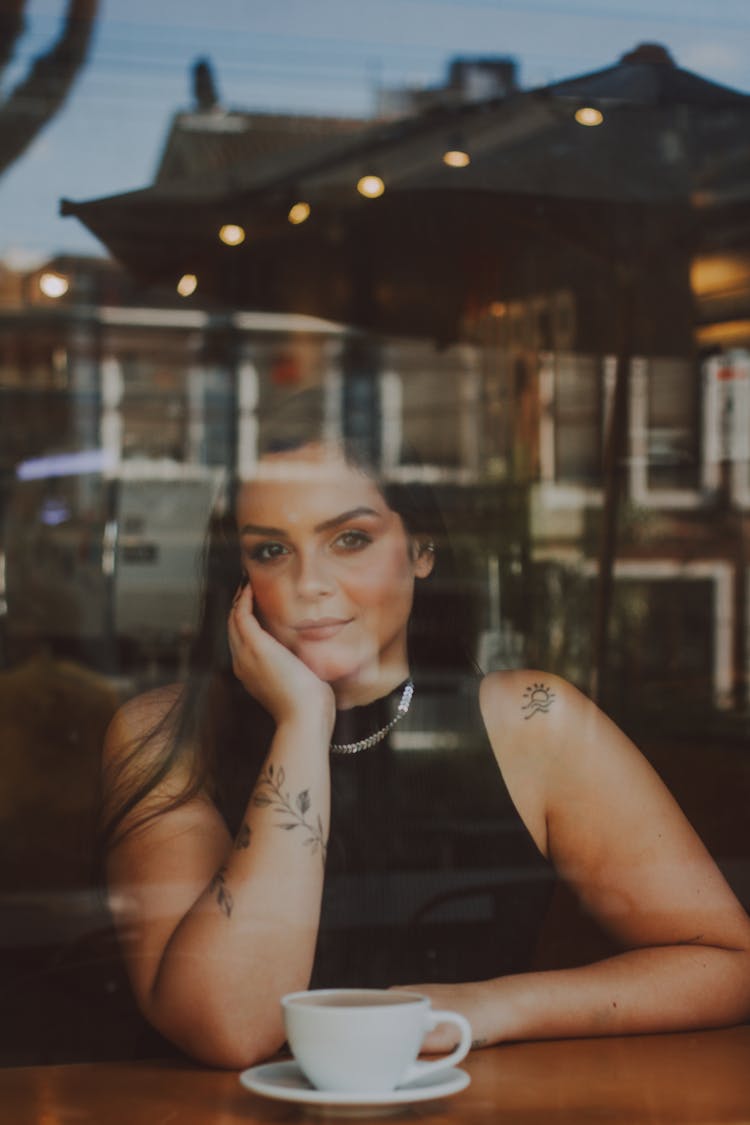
(647, 75)
(228, 144)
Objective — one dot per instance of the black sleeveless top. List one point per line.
(431, 875)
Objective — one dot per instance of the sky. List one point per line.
(305, 56)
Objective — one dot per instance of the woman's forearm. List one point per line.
(645, 990)
(251, 934)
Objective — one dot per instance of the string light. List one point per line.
(589, 115)
(370, 186)
(232, 235)
(187, 285)
(456, 158)
(299, 213)
(54, 285)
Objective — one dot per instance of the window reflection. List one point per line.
(581, 411)
(150, 404)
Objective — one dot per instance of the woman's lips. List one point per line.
(321, 629)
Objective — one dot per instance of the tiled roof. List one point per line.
(230, 143)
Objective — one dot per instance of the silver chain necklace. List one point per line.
(373, 739)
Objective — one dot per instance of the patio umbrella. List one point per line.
(589, 198)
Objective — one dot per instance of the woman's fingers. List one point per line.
(277, 678)
(243, 590)
(242, 615)
(243, 626)
(248, 640)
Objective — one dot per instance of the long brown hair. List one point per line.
(214, 713)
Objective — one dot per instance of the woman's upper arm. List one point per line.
(611, 827)
(158, 869)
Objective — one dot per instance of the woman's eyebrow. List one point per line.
(326, 525)
(352, 514)
(258, 529)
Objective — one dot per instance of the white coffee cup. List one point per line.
(366, 1040)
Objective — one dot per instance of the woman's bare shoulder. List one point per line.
(138, 757)
(140, 722)
(527, 703)
(528, 715)
(545, 730)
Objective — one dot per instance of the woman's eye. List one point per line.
(268, 552)
(353, 540)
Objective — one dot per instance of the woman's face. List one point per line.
(331, 567)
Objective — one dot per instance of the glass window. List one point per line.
(245, 248)
(578, 419)
(673, 424)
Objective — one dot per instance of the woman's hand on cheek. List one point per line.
(278, 679)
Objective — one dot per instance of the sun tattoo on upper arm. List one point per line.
(538, 698)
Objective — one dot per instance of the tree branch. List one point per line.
(39, 96)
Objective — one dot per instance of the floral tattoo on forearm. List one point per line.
(270, 793)
(219, 888)
(539, 699)
(218, 885)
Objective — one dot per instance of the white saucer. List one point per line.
(286, 1082)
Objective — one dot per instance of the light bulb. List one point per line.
(54, 285)
(589, 115)
(299, 212)
(370, 186)
(232, 235)
(456, 158)
(187, 284)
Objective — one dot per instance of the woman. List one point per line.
(220, 802)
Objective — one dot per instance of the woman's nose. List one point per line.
(314, 578)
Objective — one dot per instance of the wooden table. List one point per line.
(698, 1078)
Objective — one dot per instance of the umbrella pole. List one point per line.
(614, 456)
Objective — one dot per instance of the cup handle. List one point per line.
(421, 1069)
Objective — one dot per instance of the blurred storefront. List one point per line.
(119, 421)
